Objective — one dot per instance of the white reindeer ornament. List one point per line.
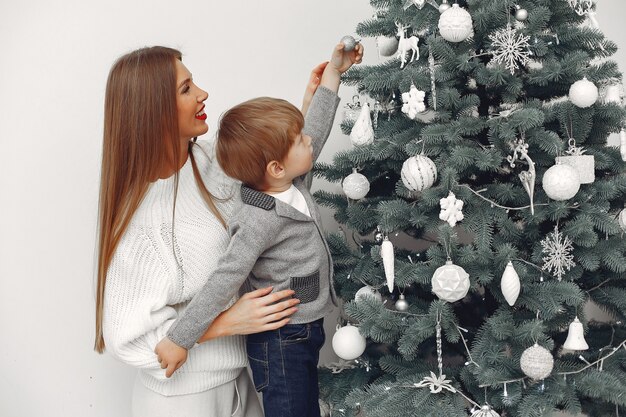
(406, 44)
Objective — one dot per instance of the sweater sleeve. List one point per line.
(319, 119)
(136, 310)
(246, 245)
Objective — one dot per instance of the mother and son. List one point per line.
(185, 224)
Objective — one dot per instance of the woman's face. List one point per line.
(190, 105)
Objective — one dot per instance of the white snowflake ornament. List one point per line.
(510, 48)
(413, 102)
(451, 209)
(558, 250)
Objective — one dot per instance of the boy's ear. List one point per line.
(275, 170)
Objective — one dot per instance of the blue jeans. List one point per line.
(284, 368)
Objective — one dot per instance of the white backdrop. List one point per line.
(55, 59)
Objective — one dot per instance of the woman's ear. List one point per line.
(275, 170)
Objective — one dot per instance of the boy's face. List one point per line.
(299, 159)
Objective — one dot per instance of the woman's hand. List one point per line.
(255, 312)
(311, 87)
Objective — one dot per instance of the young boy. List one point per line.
(276, 240)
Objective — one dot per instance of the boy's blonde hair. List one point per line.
(254, 133)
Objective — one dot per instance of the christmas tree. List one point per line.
(482, 214)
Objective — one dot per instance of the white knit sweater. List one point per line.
(149, 281)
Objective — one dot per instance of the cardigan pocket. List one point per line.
(307, 288)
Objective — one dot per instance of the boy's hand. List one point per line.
(170, 355)
(311, 87)
(342, 60)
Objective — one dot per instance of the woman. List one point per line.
(164, 202)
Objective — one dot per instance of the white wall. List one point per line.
(55, 59)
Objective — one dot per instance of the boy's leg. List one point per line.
(285, 371)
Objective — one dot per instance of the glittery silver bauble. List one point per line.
(356, 186)
(378, 237)
(455, 24)
(537, 362)
(349, 43)
(561, 182)
(583, 93)
(521, 14)
(402, 304)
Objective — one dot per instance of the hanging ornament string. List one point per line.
(469, 355)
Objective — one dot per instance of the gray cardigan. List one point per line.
(271, 243)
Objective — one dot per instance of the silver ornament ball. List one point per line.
(349, 43)
(521, 14)
(378, 237)
(444, 6)
(402, 304)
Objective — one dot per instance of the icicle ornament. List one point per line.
(386, 253)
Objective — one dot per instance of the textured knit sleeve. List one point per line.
(320, 117)
(136, 310)
(247, 243)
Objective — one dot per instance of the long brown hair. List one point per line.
(140, 138)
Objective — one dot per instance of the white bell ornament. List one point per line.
(576, 337)
(362, 132)
(418, 173)
(348, 343)
(386, 253)
(450, 282)
(510, 284)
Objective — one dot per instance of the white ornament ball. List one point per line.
(418, 173)
(402, 304)
(387, 46)
(444, 6)
(621, 219)
(348, 343)
(356, 186)
(583, 93)
(537, 362)
(485, 411)
(561, 182)
(349, 43)
(455, 24)
(368, 292)
(450, 282)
